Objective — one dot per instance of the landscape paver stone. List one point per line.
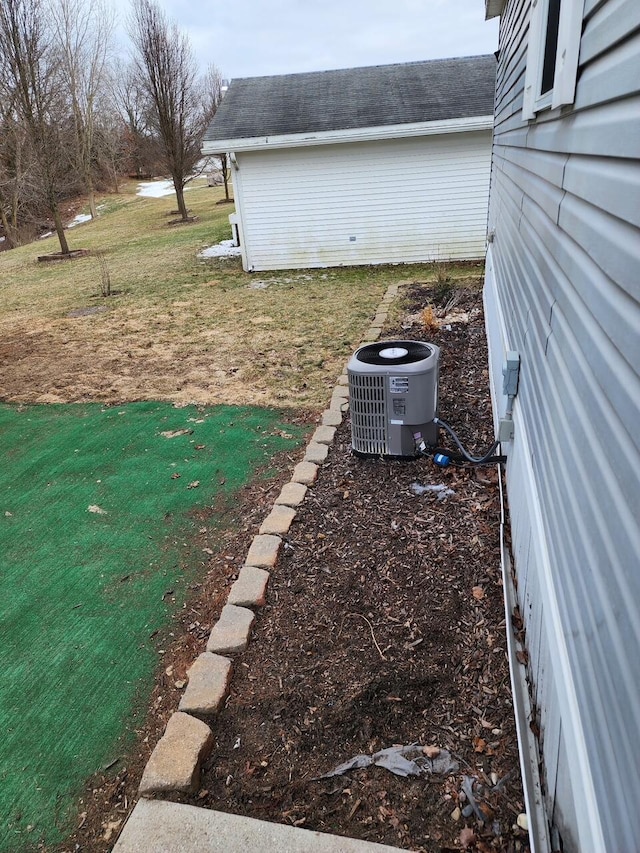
(209, 680)
(263, 551)
(332, 417)
(231, 632)
(292, 494)
(251, 587)
(324, 435)
(305, 472)
(175, 762)
(316, 453)
(278, 521)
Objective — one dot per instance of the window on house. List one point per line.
(550, 46)
(555, 27)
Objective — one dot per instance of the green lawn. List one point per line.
(84, 592)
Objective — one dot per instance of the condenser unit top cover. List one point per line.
(394, 356)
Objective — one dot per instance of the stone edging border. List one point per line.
(174, 764)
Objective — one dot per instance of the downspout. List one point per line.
(538, 824)
(237, 194)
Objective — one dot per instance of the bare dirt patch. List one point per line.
(205, 344)
(384, 625)
(73, 255)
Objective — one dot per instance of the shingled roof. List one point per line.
(404, 93)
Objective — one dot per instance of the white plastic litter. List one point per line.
(439, 490)
(400, 760)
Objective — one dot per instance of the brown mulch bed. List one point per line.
(384, 625)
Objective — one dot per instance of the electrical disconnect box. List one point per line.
(510, 379)
(511, 374)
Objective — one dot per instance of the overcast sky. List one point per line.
(247, 38)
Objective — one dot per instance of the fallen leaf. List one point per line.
(479, 744)
(110, 828)
(523, 657)
(431, 751)
(478, 593)
(176, 476)
(467, 837)
(194, 485)
(97, 509)
(174, 433)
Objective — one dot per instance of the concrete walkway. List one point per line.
(159, 827)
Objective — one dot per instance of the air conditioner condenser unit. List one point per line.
(393, 394)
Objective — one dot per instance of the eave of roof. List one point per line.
(493, 8)
(367, 134)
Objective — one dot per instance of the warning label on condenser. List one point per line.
(398, 384)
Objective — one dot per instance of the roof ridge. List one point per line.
(367, 67)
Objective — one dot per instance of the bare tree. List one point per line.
(142, 146)
(167, 68)
(18, 198)
(226, 174)
(110, 144)
(12, 142)
(83, 31)
(31, 68)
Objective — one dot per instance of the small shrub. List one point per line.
(105, 278)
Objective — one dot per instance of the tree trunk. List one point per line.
(224, 168)
(92, 197)
(116, 182)
(62, 237)
(10, 233)
(180, 197)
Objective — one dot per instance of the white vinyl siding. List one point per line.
(563, 289)
(393, 201)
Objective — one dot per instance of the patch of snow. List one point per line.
(79, 219)
(44, 236)
(225, 249)
(156, 189)
(2, 239)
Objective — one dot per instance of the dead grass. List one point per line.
(178, 327)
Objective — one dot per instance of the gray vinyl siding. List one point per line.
(393, 201)
(563, 288)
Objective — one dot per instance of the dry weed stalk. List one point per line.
(428, 319)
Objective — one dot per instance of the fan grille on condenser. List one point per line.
(412, 351)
